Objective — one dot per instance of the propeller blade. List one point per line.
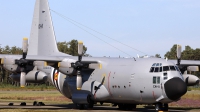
(80, 48)
(178, 51)
(23, 79)
(2, 61)
(79, 80)
(25, 47)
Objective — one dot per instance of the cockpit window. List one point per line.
(172, 68)
(169, 68)
(160, 69)
(165, 68)
(156, 69)
(152, 69)
(154, 64)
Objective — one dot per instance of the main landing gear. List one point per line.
(161, 107)
(84, 106)
(123, 106)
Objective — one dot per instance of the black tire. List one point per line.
(121, 106)
(166, 106)
(35, 103)
(158, 106)
(79, 106)
(88, 106)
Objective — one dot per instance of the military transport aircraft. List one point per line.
(125, 82)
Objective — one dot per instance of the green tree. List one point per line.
(172, 53)
(197, 54)
(188, 53)
(157, 56)
(71, 48)
(6, 50)
(63, 47)
(16, 50)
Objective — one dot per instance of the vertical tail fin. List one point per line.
(42, 37)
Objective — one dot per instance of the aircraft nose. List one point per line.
(175, 88)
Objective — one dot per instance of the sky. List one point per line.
(150, 26)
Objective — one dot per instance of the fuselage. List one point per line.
(126, 80)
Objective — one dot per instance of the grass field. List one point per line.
(190, 101)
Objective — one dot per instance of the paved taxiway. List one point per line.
(70, 107)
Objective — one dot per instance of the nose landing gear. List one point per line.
(161, 107)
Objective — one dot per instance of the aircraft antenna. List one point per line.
(75, 23)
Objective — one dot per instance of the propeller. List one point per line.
(23, 62)
(79, 65)
(178, 54)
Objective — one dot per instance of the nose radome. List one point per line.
(175, 88)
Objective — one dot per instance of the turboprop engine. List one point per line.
(190, 79)
(9, 64)
(31, 77)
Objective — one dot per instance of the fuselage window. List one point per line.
(154, 80)
(158, 80)
(152, 69)
(158, 64)
(165, 68)
(172, 68)
(154, 64)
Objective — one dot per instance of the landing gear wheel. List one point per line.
(121, 106)
(166, 107)
(79, 106)
(89, 106)
(158, 106)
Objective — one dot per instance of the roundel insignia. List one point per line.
(56, 76)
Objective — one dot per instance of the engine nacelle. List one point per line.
(9, 64)
(31, 77)
(190, 79)
(67, 70)
(65, 67)
(98, 90)
(12, 68)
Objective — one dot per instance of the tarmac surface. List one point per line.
(71, 107)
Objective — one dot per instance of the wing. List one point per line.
(187, 62)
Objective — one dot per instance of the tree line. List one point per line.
(71, 48)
